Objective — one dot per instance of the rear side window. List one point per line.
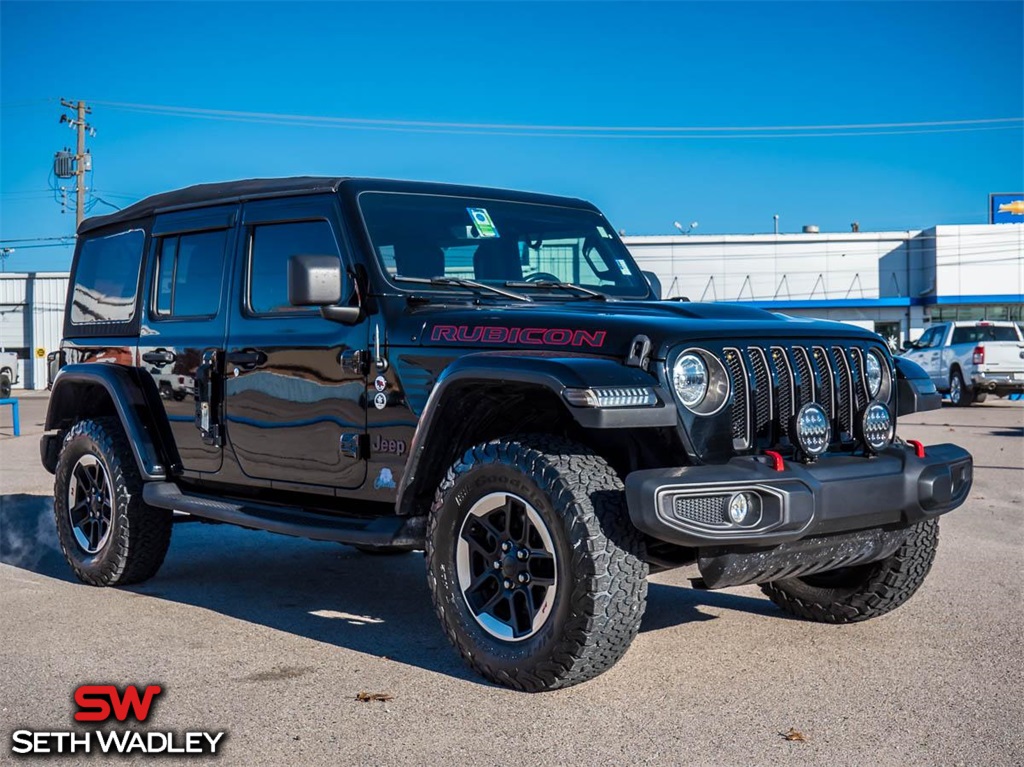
(982, 333)
(189, 273)
(107, 278)
(272, 246)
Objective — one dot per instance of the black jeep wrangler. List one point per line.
(486, 375)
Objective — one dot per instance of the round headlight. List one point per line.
(876, 426)
(873, 373)
(811, 430)
(690, 379)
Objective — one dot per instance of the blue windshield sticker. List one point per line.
(482, 221)
(623, 266)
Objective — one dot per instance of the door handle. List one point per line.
(249, 358)
(159, 357)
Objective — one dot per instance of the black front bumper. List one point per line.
(838, 512)
(836, 495)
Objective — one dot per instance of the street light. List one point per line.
(677, 225)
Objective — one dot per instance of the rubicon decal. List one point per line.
(101, 703)
(496, 334)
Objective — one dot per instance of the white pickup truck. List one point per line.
(969, 360)
(8, 373)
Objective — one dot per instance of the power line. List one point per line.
(68, 244)
(37, 239)
(99, 199)
(25, 103)
(512, 126)
(671, 137)
(576, 131)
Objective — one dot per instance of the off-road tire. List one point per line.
(5, 385)
(383, 551)
(865, 591)
(602, 586)
(140, 534)
(960, 394)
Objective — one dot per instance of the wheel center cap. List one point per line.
(510, 566)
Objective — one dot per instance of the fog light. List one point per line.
(741, 507)
(811, 430)
(876, 426)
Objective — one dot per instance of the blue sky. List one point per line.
(590, 64)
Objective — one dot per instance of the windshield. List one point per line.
(496, 242)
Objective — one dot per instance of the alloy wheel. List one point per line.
(506, 566)
(90, 504)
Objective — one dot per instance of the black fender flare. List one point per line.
(136, 406)
(551, 372)
(915, 389)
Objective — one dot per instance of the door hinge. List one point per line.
(208, 398)
(356, 361)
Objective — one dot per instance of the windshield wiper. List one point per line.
(463, 283)
(550, 285)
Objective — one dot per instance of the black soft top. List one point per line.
(254, 188)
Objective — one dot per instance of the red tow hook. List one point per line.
(918, 447)
(775, 460)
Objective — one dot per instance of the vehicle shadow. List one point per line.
(379, 605)
(28, 536)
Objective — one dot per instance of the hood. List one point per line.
(607, 328)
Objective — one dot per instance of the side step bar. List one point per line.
(379, 531)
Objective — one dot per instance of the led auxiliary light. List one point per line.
(811, 430)
(612, 396)
(876, 426)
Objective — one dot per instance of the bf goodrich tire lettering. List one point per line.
(602, 588)
(139, 535)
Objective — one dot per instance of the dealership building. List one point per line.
(895, 283)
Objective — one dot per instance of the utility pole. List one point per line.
(83, 161)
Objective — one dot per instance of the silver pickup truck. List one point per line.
(970, 360)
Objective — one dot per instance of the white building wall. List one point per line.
(858, 277)
(49, 294)
(979, 260)
(761, 267)
(32, 318)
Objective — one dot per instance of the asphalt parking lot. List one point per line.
(271, 638)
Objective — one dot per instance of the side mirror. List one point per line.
(317, 281)
(314, 280)
(654, 282)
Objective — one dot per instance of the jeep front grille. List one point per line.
(771, 384)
